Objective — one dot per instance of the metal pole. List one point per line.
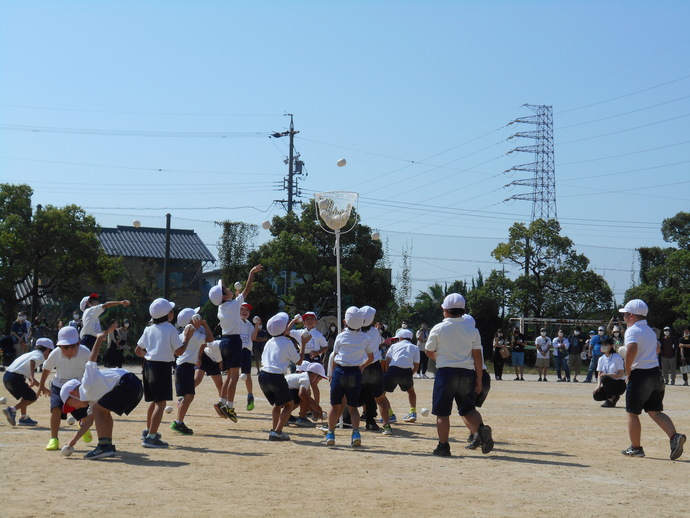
(337, 269)
(166, 266)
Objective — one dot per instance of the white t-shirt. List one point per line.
(557, 342)
(213, 351)
(297, 380)
(246, 329)
(229, 315)
(97, 383)
(611, 365)
(422, 336)
(22, 365)
(453, 340)
(375, 339)
(160, 342)
(67, 368)
(279, 351)
(351, 348)
(315, 343)
(543, 344)
(641, 334)
(91, 324)
(403, 354)
(191, 353)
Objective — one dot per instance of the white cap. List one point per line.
(160, 307)
(316, 368)
(665, 329)
(68, 387)
(454, 301)
(602, 328)
(215, 294)
(277, 324)
(67, 335)
(82, 304)
(369, 313)
(185, 317)
(302, 367)
(635, 307)
(404, 334)
(354, 317)
(47, 342)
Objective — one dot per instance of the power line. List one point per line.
(625, 130)
(134, 133)
(625, 154)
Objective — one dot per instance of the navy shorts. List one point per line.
(397, 376)
(88, 341)
(231, 351)
(486, 386)
(372, 381)
(275, 388)
(453, 384)
(246, 367)
(645, 391)
(15, 385)
(184, 379)
(157, 381)
(56, 402)
(210, 367)
(125, 396)
(346, 382)
(295, 396)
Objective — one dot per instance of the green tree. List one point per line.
(556, 281)
(57, 247)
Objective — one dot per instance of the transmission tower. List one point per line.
(543, 183)
(295, 169)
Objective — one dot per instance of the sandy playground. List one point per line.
(557, 453)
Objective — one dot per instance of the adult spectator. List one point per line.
(595, 353)
(76, 321)
(577, 346)
(684, 346)
(422, 337)
(21, 334)
(669, 352)
(544, 345)
(560, 355)
(517, 354)
(500, 352)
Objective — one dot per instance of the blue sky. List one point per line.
(135, 109)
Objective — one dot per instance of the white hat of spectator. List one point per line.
(635, 307)
(185, 317)
(215, 294)
(160, 307)
(369, 313)
(354, 319)
(316, 368)
(404, 334)
(46, 342)
(602, 328)
(454, 301)
(277, 324)
(67, 335)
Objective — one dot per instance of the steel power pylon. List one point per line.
(295, 169)
(543, 182)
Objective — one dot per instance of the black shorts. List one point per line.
(453, 384)
(346, 382)
(645, 391)
(18, 387)
(275, 388)
(125, 396)
(246, 366)
(372, 381)
(486, 386)
(295, 396)
(88, 341)
(157, 381)
(231, 351)
(184, 379)
(56, 402)
(397, 376)
(210, 367)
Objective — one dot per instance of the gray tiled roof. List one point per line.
(150, 242)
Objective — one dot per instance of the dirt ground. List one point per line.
(557, 453)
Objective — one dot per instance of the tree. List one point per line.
(233, 248)
(556, 281)
(52, 251)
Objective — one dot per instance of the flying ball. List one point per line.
(168, 409)
(266, 225)
(238, 286)
(67, 450)
(71, 420)
(243, 376)
(341, 162)
(136, 223)
(424, 412)
(3, 400)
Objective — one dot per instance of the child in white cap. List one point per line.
(247, 333)
(68, 360)
(308, 374)
(102, 392)
(92, 310)
(20, 370)
(231, 341)
(279, 351)
(159, 345)
(401, 364)
(352, 353)
(315, 347)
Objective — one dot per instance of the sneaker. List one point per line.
(485, 439)
(230, 412)
(292, 419)
(475, 443)
(155, 442)
(303, 422)
(575, 381)
(53, 444)
(11, 415)
(516, 379)
(181, 428)
(372, 426)
(250, 402)
(633, 452)
(87, 437)
(278, 436)
(387, 430)
(330, 438)
(392, 419)
(357, 439)
(442, 450)
(545, 379)
(561, 380)
(470, 438)
(677, 445)
(411, 417)
(144, 434)
(219, 410)
(539, 379)
(607, 404)
(26, 421)
(101, 451)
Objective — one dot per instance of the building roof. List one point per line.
(149, 242)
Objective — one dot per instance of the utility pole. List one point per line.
(166, 259)
(295, 165)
